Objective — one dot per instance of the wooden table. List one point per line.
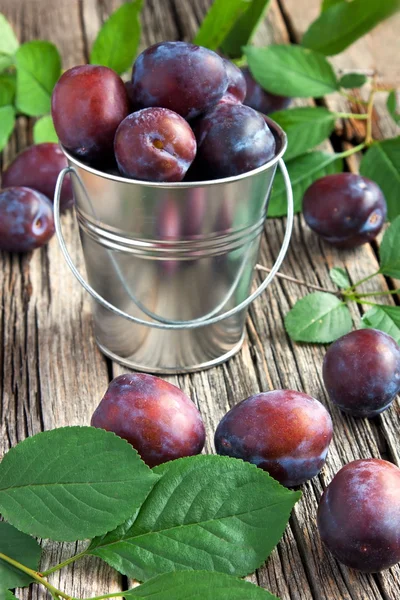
(53, 374)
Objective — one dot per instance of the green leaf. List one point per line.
(7, 121)
(318, 317)
(384, 318)
(8, 595)
(43, 130)
(38, 69)
(352, 80)
(305, 128)
(218, 22)
(117, 41)
(72, 483)
(244, 29)
(303, 171)
(7, 90)
(198, 585)
(391, 105)
(8, 43)
(206, 512)
(291, 71)
(21, 548)
(389, 251)
(340, 277)
(381, 163)
(328, 3)
(345, 22)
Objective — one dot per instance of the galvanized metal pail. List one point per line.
(170, 265)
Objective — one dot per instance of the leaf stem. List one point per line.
(361, 301)
(353, 98)
(344, 115)
(64, 563)
(35, 576)
(386, 293)
(351, 151)
(368, 137)
(353, 287)
(300, 281)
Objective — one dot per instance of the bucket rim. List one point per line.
(279, 135)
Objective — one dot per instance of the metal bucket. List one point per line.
(171, 265)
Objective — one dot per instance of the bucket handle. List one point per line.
(183, 324)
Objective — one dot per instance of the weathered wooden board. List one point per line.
(53, 375)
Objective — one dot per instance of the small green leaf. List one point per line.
(345, 22)
(328, 3)
(8, 43)
(218, 22)
(392, 107)
(318, 317)
(244, 29)
(389, 251)
(117, 42)
(7, 121)
(7, 595)
(352, 80)
(21, 548)
(340, 277)
(38, 69)
(198, 585)
(7, 89)
(303, 171)
(206, 512)
(305, 127)
(381, 163)
(291, 71)
(72, 483)
(384, 318)
(43, 130)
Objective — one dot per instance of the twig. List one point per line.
(300, 281)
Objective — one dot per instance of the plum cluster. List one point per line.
(180, 114)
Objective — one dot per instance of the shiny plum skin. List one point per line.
(362, 372)
(345, 209)
(88, 104)
(156, 417)
(261, 100)
(183, 77)
(26, 219)
(38, 167)
(154, 144)
(232, 139)
(284, 432)
(359, 515)
(236, 91)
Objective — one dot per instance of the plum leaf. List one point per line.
(243, 30)
(352, 80)
(218, 22)
(206, 512)
(389, 251)
(8, 43)
(72, 483)
(340, 277)
(7, 121)
(43, 130)
(22, 548)
(391, 105)
(384, 318)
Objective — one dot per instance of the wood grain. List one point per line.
(53, 375)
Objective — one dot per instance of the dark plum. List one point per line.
(185, 78)
(236, 90)
(345, 209)
(261, 100)
(362, 372)
(26, 219)
(284, 432)
(156, 417)
(38, 167)
(154, 144)
(88, 104)
(359, 515)
(232, 139)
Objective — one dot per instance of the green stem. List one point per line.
(378, 293)
(361, 301)
(35, 576)
(351, 151)
(113, 595)
(353, 98)
(368, 137)
(64, 564)
(343, 115)
(353, 287)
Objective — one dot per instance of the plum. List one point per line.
(232, 139)
(38, 167)
(154, 144)
(362, 372)
(359, 515)
(156, 417)
(236, 90)
(284, 432)
(261, 100)
(345, 209)
(26, 219)
(185, 78)
(88, 104)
